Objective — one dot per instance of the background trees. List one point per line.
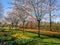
(51, 5)
(21, 12)
(12, 18)
(1, 14)
(38, 10)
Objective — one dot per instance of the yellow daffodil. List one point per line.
(20, 36)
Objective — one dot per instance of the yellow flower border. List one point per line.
(17, 35)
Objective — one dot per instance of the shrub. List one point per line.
(20, 41)
(6, 38)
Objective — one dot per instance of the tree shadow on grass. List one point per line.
(41, 37)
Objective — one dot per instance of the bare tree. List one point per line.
(12, 18)
(21, 13)
(51, 5)
(38, 11)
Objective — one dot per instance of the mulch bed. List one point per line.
(3, 33)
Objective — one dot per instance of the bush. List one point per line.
(6, 38)
(20, 41)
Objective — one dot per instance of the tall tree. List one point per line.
(38, 10)
(51, 5)
(21, 13)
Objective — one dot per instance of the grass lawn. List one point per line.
(27, 38)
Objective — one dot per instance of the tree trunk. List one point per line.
(31, 25)
(23, 27)
(50, 15)
(50, 23)
(38, 28)
(16, 25)
(50, 20)
(12, 26)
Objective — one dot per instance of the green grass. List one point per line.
(35, 40)
(43, 38)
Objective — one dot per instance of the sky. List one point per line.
(6, 3)
(6, 6)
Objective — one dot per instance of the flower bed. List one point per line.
(17, 35)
